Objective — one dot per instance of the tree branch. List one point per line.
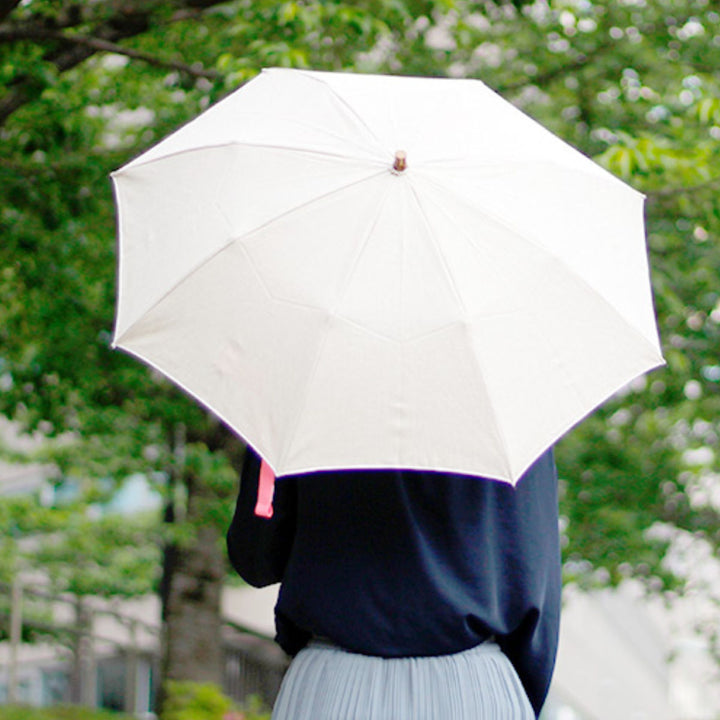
(23, 89)
(6, 7)
(100, 45)
(131, 19)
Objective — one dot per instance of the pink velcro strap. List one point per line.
(266, 490)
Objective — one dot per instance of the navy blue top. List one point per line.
(409, 563)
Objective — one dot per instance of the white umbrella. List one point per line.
(359, 271)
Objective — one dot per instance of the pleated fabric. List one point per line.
(327, 683)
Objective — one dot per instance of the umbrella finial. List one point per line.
(400, 164)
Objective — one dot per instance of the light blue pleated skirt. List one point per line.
(327, 683)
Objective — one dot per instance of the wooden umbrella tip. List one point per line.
(400, 164)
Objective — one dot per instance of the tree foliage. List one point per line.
(632, 83)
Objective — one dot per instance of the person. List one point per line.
(407, 593)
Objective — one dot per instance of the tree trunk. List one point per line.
(193, 575)
(83, 674)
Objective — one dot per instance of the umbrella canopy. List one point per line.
(359, 271)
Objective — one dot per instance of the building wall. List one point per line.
(612, 660)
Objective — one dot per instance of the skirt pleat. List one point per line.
(327, 683)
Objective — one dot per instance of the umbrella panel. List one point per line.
(319, 361)
(461, 315)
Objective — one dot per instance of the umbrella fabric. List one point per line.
(359, 271)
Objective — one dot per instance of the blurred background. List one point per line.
(115, 489)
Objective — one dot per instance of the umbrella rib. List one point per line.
(232, 240)
(331, 313)
(528, 239)
(494, 217)
(480, 375)
(551, 255)
(451, 281)
(349, 107)
(237, 143)
(344, 139)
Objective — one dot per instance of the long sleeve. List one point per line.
(259, 547)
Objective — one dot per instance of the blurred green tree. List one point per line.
(86, 86)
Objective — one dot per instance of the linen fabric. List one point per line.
(460, 315)
(327, 683)
(399, 564)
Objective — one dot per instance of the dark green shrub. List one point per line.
(58, 712)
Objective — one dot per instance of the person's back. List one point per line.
(410, 564)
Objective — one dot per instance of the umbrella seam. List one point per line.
(583, 402)
(532, 241)
(232, 241)
(330, 313)
(131, 166)
(347, 105)
(465, 334)
(604, 175)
